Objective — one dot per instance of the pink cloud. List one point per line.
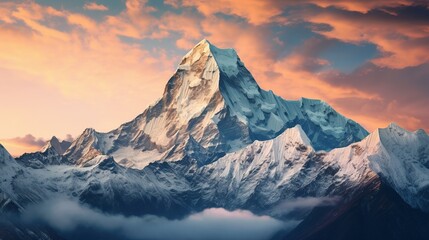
(402, 41)
(184, 24)
(402, 94)
(255, 11)
(18, 145)
(82, 21)
(361, 5)
(91, 71)
(95, 7)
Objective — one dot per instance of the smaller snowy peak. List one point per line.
(55, 144)
(257, 171)
(421, 132)
(396, 135)
(295, 135)
(85, 147)
(403, 162)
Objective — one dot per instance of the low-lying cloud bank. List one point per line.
(74, 220)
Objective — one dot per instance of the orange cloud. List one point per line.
(96, 54)
(402, 94)
(82, 21)
(92, 69)
(255, 11)
(252, 43)
(184, 24)
(95, 7)
(361, 5)
(173, 3)
(403, 43)
(262, 12)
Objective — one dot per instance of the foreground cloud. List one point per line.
(75, 220)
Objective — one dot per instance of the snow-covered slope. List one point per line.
(266, 173)
(263, 173)
(215, 101)
(258, 177)
(9, 168)
(16, 183)
(402, 160)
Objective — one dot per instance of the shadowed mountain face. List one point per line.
(378, 212)
(217, 140)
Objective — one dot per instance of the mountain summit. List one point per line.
(214, 100)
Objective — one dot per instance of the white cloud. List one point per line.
(69, 217)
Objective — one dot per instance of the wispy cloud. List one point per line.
(71, 218)
(18, 145)
(28, 140)
(95, 6)
(255, 11)
(401, 34)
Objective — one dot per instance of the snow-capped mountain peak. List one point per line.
(295, 135)
(85, 147)
(213, 100)
(226, 60)
(401, 158)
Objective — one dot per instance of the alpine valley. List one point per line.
(217, 140)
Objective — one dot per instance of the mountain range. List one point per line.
(217, 140)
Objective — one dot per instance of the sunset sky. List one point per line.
(66, 65)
